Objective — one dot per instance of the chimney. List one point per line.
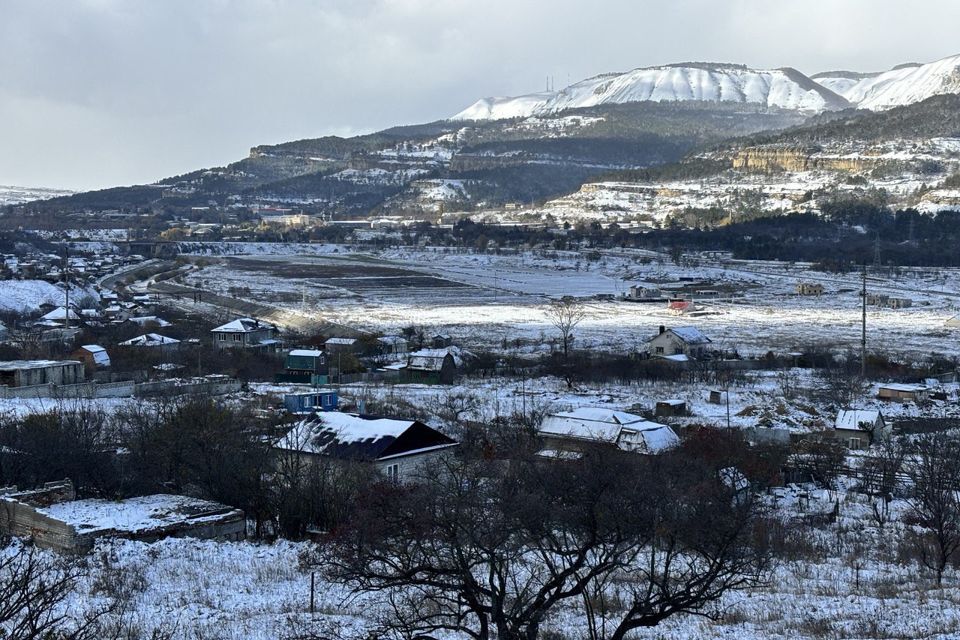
(662, 329)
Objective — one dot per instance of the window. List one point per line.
(659, 349)
(393, 473)
(854, 443)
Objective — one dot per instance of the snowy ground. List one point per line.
(482, 299)
(856, 583)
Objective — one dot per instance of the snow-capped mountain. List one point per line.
(901, 86)
(784, 88)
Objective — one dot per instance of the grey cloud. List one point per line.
(101, 92)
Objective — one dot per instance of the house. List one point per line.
(59, 316)
(27, 373)
(858, 428)
(310, 401)
(572, 430)
(809, 289)
(93, 356)
(340, 345)
(441, 341)
(895, 392)
(392, 345)
(432, 366)
(681, 307)
(246, 333)
(310, 361)
(687, 341)
(396, 448)
(642, 292)
(151, 340)
(54, 519)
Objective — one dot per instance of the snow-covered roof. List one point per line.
(855, 419)
(690, 335)
(350, 435)
(908, 388)
(432, 359)
(243, 325)
(142, 320)
(100, 356)
(341, 341)
(306, 353)
(135, 514)
(60, 313)
(149, 340)
(19, 365)
(625, 430)
(394, 340)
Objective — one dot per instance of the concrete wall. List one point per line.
(85, 390)
(171, 388)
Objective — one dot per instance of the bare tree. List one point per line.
(489, 548)
(565, 315)
(34, 587)
(880, 476)
(934, 470)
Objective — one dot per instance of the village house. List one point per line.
(53, 519)
(895, 392)
(93, 356)
(246, 333)
(441, 341)
(399, 449)
(809, 289)
(686, 341)
(858, 428)
(27, 373)
(305, 365)
(340, 345)
(643, 292)
(569, 431)
(432, 366)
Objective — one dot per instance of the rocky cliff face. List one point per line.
(799, 158)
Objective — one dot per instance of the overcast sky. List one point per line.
(96, 93)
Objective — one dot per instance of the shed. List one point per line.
(593, 425)
(93, 356)
(309, 401)
(27, 373)
(670, 408)
(895, 392)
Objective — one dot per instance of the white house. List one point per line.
(859, 428)
(246, 333)
(687, 341)
(568, 430)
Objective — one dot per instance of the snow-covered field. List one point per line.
(848, 584)
(483, 299)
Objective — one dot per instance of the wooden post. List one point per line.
(313, 589)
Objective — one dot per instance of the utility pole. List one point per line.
(66, 281)
(863, 327)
